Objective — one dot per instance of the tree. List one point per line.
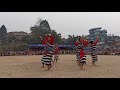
(42, 27)
(71, 39)
(3, 34)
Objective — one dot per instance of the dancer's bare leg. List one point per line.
(81, 67)
(42, 65)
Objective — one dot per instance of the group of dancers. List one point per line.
(52, 49)
(80, 51)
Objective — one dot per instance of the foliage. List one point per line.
(42, 27)
(71, 39)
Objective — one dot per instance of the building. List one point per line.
(105, 40)
(113, 38)
(98, 32)
(17, 35)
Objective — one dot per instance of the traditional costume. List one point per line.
(48, 50)
(56, 52)
(93, 50)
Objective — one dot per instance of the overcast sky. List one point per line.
(66, 23)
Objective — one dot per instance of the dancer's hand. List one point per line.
(40, 37)
(45, 34)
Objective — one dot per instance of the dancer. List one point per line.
(80, 44)
(85, 43)
(93, 51)
(48, 50)
(82, 59)
(56, 52)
